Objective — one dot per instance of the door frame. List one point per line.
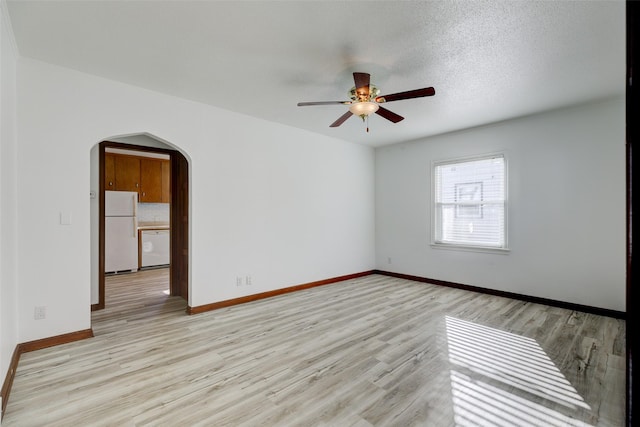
(179, 220)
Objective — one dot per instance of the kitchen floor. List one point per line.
(124, 293)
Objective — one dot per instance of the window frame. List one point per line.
(434, 206)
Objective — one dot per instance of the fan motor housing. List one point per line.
(362, 95)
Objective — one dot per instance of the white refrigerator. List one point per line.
(121, 231)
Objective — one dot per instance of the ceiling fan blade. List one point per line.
(362, 80)
(306, 104)
(389, 115)
(341, 120)
(416, 93)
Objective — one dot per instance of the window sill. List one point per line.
(465, 248)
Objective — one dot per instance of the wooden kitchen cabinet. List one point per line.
(121, 173)
(127, 173)
(150, 180)
(166, 181)
(109, 172)
(149, 177)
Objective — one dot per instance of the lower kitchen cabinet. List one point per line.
(154, 248)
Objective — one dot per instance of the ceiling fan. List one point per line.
(365, 100)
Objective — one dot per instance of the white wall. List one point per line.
(566, 206)
(8, 173)
(276, 203)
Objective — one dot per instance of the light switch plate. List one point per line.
(65, 218)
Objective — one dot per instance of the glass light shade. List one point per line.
(363, 108)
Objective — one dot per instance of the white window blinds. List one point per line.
(470, 202)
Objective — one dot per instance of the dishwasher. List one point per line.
(155, 248)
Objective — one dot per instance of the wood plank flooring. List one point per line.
(372, 351)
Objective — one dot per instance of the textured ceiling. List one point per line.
(488, 60)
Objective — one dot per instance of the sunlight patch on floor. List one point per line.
(504, 379)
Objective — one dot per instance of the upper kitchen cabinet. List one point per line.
(150, 180)
(149, 177)
(166, 181)
(121, 173)
(127, 173)
(155, 180)
(109, 171)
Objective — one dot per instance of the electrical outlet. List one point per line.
(247, 280)
(238, 281)
(389, 260)
(40, 313)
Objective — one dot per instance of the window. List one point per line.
(470, 203)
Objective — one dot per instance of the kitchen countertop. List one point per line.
(153, 225)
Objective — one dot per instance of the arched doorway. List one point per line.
(179, 211)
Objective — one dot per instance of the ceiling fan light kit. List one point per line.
(363, 108)
(365, 100)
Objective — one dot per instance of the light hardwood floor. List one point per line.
(370, 351)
